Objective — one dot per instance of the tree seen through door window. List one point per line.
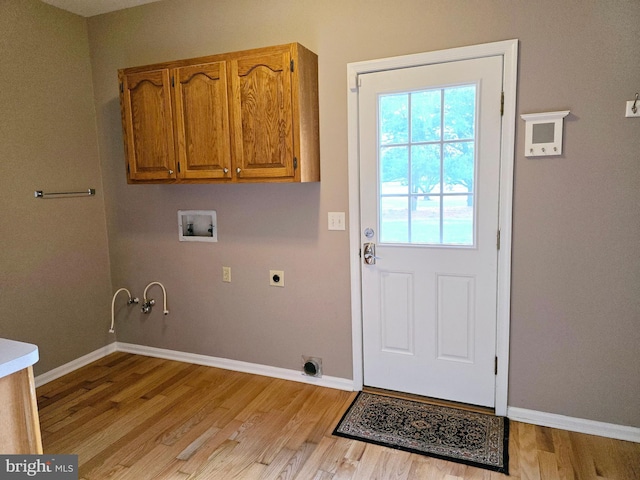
(427, 166)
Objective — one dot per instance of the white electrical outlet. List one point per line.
(629, 112)
(276, 278)
(226, 274)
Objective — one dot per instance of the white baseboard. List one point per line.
(74, 365)
(572, 424)
(236, 365)
(620, 432)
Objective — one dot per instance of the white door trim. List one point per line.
(509, 50)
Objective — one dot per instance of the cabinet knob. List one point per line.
(238, 170)
(225, 170)
(170, 172)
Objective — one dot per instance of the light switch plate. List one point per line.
(336, 221)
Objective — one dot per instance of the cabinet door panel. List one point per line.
(148, 124)
(262, 116)
(202, 121)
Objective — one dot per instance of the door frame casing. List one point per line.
(508, 49)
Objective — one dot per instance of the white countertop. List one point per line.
(15, 356)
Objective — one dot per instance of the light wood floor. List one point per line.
(139, 418)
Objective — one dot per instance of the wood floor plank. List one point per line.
(138, 418)
(55, 419)
(193, 447)
(544, 439)
(563, 454)
(208, 449)
(335, 455)
(166, 426)
(101, 440)
(368, 461)
(279, 464)
(392, 464)
(296, 462)
(528, 453)
(628, 455)
(548, 465)
(472, 473)
(514, 450)
(348, 466)
(312, 464)
(220, 459)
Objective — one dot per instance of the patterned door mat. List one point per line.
(472, 438)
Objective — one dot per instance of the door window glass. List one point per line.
(427, 170)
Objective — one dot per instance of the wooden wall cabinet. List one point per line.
(249, 116)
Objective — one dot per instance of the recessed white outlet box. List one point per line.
(226, 274)
(276, 278)
(629, 111)
(197, 226)
(336, 220)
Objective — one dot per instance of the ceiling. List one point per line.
(89, 8)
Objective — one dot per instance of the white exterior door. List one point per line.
(429, 169)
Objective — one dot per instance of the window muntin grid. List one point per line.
(427, 166)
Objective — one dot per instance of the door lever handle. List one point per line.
(369, 254)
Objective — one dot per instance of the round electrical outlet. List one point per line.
(276, 278)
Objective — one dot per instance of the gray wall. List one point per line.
(54, 265)
(576, 262)
(576, 258)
